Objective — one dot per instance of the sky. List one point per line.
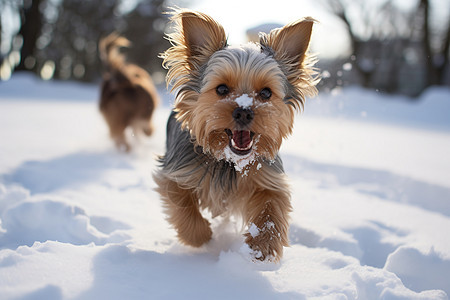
(329, 36)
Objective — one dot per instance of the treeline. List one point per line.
(393, 49)
(58, 39)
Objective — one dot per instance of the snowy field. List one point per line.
(370, 178)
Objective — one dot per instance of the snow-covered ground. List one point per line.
(370, 179)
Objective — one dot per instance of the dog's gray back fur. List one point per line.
(181, 154)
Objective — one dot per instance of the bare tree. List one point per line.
(30, 29)
(144, 27)
(445, 54)
(60, 37)
(371, 30)
(437, 57)
(73, 37)
(395, 50)
(1, 32)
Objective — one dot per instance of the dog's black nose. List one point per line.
(243, 116)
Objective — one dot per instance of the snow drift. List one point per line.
(370, 190)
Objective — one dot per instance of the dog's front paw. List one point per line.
(265, 242)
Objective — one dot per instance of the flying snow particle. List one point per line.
(326, 74)
(347, 67)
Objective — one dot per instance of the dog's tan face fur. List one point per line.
(244, 70)
(238, 104)
(211, 120)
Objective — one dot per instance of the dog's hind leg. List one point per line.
(121, 143)
(117, 132)
(147, 128)
(117, 123)
(182, 209)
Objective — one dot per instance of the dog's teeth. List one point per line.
(241, 149)
(234, 145)
(249, 145)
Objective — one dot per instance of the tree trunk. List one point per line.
(424, 7)
(31, 24)
(445, 53)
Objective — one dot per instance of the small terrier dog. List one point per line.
(128, 96)
(233, 108)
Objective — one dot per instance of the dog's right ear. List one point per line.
(202, 35)
(195, 38)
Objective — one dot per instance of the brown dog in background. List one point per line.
(128, 96)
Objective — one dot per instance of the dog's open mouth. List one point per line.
(241, 141)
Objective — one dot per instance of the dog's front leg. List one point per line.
(267, 216)
(181, 207)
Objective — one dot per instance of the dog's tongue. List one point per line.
(242, 138)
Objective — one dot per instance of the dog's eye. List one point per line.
(265, 93)
(222, 90)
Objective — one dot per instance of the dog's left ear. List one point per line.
(289, 45)
(290, 42)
